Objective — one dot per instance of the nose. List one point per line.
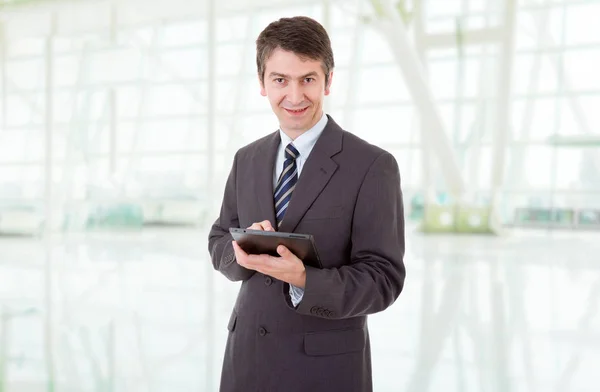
(296, 94)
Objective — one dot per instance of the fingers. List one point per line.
(258, 263)
(241, 257)
(267, 225)
(239, 252)
(263, 226)
(284, 268)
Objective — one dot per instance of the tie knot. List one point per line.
(291, 152)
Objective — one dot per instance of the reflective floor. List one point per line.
(133, 312)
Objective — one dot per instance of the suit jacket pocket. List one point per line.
(232, 321)
(334, 342)
(324, 212)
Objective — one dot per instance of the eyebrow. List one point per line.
(280, 75)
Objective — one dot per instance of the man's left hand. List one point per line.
(288, 267)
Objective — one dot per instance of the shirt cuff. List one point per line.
(296, 293)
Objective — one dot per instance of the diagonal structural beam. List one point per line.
(391, 25)
(472, 37)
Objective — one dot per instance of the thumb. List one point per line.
(282, 250)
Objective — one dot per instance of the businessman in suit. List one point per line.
(296, 328)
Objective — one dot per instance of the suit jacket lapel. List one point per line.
(316, 173)
(264, 162)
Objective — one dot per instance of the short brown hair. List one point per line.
(301, 35)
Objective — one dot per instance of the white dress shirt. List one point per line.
(304, 144)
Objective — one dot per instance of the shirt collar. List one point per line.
(305, 142)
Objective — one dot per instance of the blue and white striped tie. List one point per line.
(286, 183)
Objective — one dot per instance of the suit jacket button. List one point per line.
(268, 281)
(262, 331)
(314, 310)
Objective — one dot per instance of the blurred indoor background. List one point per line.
(118, 124)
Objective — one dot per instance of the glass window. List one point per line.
(384, 126)
(380, 84)
(582, 25)
(581, 69)
(184, 33)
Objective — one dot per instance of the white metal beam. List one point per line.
(31, 102)
(210, 181)
(394, 30)
(476, 135)
(4, 348)
(49, 211)
(426, 153)
(143, 83)
(3, 43)
(74, 131)
(354, 72)
(240, 91)
(112, 104)
(547, 40)
(515, 168)
(503, 123)
(112, 99)
(33, 19)
(470, 37)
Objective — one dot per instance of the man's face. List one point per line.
(296, 89)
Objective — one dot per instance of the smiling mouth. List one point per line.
(297, 111)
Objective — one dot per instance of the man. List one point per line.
(295, 327)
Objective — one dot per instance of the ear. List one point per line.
(263, 92)
(328, 87)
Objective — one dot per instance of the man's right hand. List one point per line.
(263, 226)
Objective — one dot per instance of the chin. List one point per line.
(298, 125)
(291, 126)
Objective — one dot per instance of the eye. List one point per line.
(279, 80)
(309, 80)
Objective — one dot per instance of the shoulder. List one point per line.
(350, 149)
(365, 154)
(256, 148)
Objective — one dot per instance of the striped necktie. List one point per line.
(286, 183)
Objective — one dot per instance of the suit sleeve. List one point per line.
(219, 238)
(374, 277)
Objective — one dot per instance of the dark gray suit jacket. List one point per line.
(348, 197)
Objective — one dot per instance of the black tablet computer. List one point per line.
(266, 242)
